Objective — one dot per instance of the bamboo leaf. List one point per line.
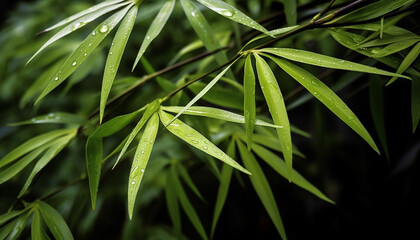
(325, 95)
(249, 100)
(223, 187)
(186, 204)
(114, 57)
(415, 102)
(230, 12)
(36, 227)
(290, 11)
(275, 102)
(220, 96)
(32, 144)
(187, 179)
(394, 48)
(55, 222)
(46, 158)
(155, 28)
(116, 124)
(77, 25)
(217, 114)
(390, 39)
(325, 61)
(59, 117)
(152, 108)
(197, 140)
(141, 158)
(280, 166)
(261, 186)
(81, 53)
(10, 215)
(408, 60)
(172, 203)
(15, 228)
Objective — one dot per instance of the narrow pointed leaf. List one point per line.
(390, 39)
(58, 117)
(116, 124)
(325, 95)
(325, 61)
(249, 100)
(186, 204)
(76, 25)
(197, 140)
(36, 227)
(95, 8)
(261, 186)
(187, 179)
(81, 53)
(230, 12)
(172, 203)
(393, 48)
(32, 144)
(220, 96)
(275, 32)
(223, 187)
(55, 222)
(10, 215)
(408, 60)
(46, 158)
(114, 57)
(204, 91)
(17, 227)
(155, 28)
(141, 158)
(216, 113)
(152, 108)
(280, 167)
(290, 11)
(275, 102)
(415, 102)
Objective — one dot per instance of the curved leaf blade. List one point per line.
(140, 161)
(275, 102)
(197, 140)
(187, 179)
(10, 215)
(55, 222)
(172, 203)
(249, 100)
(408, 60)
(155, 28)
(58, 117)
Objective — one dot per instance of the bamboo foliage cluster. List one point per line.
(369, 29)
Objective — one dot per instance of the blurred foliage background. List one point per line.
(375, 196)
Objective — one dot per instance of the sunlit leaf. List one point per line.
(81, 53)
(59, 117)
(54, 221)
(261, 186)
(415, 102)
(232, 13)
(155, 28)
(408, 60)
(197, 140)
(76, 25)
(59, 144)
(325, 61)
(141, 157)
(223, 187)
(280, 166)
(114, 57)
(249, 100)
(276, 106)
(186, 204)
(325, 95)
(187, 179)
(33, 144)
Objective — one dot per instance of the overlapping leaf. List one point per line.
(408, 60)
(55, 222)
(249, 100)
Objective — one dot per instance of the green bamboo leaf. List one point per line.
(220, 96)
(275, 32)
(5, 231)
(58, 117)
(275, 102)
(187, 179)
(114, 57)
(155, 28)
(415, 102)
(55, 222)
(33, 144)
(280, 166)
(325, 95)
(82, 13)
(186, 204)
(10, 215)
(197, 140)
(223, 187)
(249, 100)
(15, 228)
(116, 124)
(230, 12)
(262, 187)
(141, 158)
(325, 61)
(390, 39)
(46, 158)
(11, 171)
(152, 108)
(393, 48)
(216, 113)
(376, 100)
(172, 203)
(36, 227)
(408, 60)
(93, 152)
(81, 53)
(290, 11)
(204, 91)
(77, 25)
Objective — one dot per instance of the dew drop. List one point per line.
(193, 13)
(205, 147)
(133, 182)
(227, 13)
(142, 152)
(93, 33)
(85, 54)
(194, 141)
(56, 78)
(316, 84)
(110, 53)
(142, 170)
(148, 37)
(74, 63)
(104, 29)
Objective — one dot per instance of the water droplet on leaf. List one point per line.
(104, 29)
